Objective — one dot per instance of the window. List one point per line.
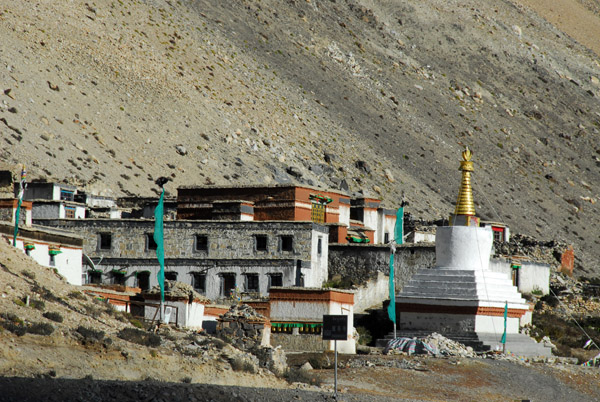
(143, 280)
(319, 245)
(260, 242)
(498, 235)
(251, 283)
(275, 279)
(227, 285)
(66, 195)
(52, 262)
(69, 212)
(317, 212)
(386, 237)
(201, 243)
(199, 282)
(170, 275)
(95, 277)
(118, 278)
(150, 243)
(287, 243)
(105, 241)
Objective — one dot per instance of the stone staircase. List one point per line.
(517, 344)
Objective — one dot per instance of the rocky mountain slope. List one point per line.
(377, 97)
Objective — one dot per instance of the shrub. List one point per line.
(37, 304)
(140, 337)
(321, 360)
(19, 302)
(89, 335)
(304, 376)
(28, 274)
(40, 328)
(238, 363)
(75, 294)
(54, 316)
(364, 336)
(45, 293)
(186, 380)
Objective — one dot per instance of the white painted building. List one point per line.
(304, 308)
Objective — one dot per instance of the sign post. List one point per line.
(335, 328)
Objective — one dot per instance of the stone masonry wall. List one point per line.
(362, 262)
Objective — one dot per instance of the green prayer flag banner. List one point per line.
(503, 340)
(159, 240)
(17, 217)
(397, 240)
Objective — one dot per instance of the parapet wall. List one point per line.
(361, 263)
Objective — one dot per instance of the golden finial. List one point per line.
(464, 204)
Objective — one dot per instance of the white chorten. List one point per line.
(460, 294)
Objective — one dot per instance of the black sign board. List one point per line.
(335, 327)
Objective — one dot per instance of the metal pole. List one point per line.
(335, 372)
(394, 330)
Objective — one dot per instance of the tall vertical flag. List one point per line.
(397, 240)
(159, 240)
(22, 186)
(503, 340)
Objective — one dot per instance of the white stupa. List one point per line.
(460, 294)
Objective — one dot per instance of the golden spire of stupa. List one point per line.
(464, 204)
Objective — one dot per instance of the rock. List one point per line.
(362, 165)
(344, 186)
(327, 157)
(181, 150)
(294, 171)
(306, 367)
(12, 109)
(316, 169)
(52, 86)
(389, 176)
(8, 92)
(517, 30)
(594, 80)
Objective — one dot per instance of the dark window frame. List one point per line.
(201, 243)
(150, 243)
(261, 242)
(174, 274)
(286, 243)
(320, 246)
(118, 279)
(196, 280)
(255, 279)
(278, 275)
(102, 241)
(143, 278)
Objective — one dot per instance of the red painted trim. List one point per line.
(469, 310)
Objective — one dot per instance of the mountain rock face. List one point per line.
(376, 97)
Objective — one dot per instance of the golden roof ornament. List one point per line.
(464, 204)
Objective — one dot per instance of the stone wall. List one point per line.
(231, 249)
(299, 343)
(362, 262)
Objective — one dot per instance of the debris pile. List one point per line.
(243, 326)
(248, 330)
(243, 311)
(547, 252)
(177, 290)
(448, 347)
